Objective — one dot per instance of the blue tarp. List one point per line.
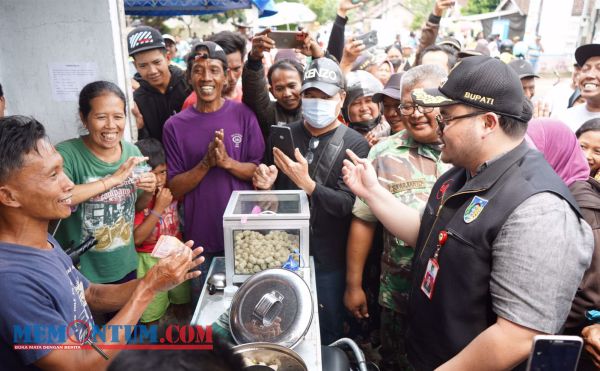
(169, 8)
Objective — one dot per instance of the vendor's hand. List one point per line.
(264, 176)
(297, 170)
(124, 171)
(541, 109)
(174, 269)
(441, 5)
(345, 5)
(164, 198)
(352, 50)
(359, 175)
(222, 158)
(261, 43)
(591, 336)
(146, 182)
(310, 47)
(355, 301)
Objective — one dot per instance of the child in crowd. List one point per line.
(589, 140)
(159, 218)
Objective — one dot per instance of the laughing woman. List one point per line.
(107, 190)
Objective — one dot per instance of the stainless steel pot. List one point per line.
(269, 354)
(274, 306)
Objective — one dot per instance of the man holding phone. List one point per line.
(320, 140)
(284, 80)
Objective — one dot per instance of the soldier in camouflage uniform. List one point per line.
(408, 164)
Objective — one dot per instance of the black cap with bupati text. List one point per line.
(585, 52)
(323, 74)
(144, 38)
(481, 82)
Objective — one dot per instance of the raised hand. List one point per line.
(175, 269)
(264, 176)
(261, 43)
(164, 198)
(124, 171)
(359, 175)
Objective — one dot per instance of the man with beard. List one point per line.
(407, 165)
(492, 223)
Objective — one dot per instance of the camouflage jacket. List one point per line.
(408, 169)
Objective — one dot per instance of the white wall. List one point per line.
(559, 33)
(35, 33)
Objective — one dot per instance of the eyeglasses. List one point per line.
(312, 145)
(409, 109)
(443, 121)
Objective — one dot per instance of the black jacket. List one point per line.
(256, 96)
(157, 107)
(331, 202)
(461, 306)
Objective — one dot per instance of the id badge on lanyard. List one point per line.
(433, 267)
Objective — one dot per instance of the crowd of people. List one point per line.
(450, 209)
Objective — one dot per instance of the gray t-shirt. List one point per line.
(538, 260)
(576, 116)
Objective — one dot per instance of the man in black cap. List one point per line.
(321, 140)
(492, 225)
(525, 72)
(163, 88)
(212, 150)
(588, 57)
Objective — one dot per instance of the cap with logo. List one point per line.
(209, 50)
(323, 74)
(391, 89)
(144, 38)
(585, 52)
(481, 82)
(522, 68)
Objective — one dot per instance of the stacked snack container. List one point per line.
(265, 229)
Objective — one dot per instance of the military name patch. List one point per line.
(405, 186)
(474, 209)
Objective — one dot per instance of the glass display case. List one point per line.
(265, 229)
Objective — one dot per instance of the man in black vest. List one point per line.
(501, 246)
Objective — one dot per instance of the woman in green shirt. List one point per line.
(107, 190)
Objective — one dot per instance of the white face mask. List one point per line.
(319, 113)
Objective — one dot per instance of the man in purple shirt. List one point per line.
(212, 149)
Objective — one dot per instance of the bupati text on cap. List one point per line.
(478, 98)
